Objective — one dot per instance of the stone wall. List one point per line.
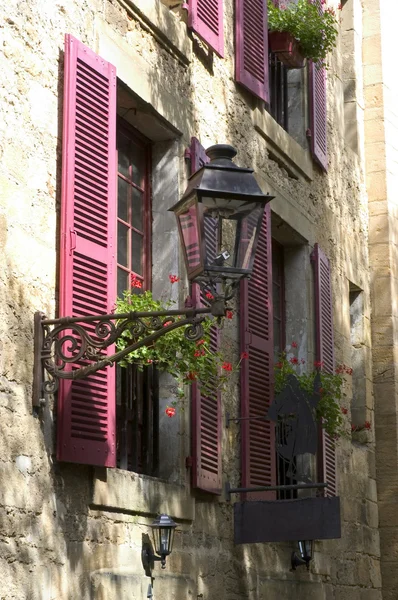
(67, 531)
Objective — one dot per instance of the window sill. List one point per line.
(169, 31)
(294, 158)
(126, 491)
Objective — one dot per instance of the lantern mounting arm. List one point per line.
(76, 341)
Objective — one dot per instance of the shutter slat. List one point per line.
(251, 60)
(86, 409)
(326, 458)
(205, 17)
(258, 437)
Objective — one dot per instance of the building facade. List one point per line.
(106, 108)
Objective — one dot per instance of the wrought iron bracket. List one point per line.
(237, 420)
(271, 488)
(76, 341)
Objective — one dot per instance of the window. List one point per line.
(288, 100)
(137, 397)
(283, 476)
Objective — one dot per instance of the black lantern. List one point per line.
(219, 218)
(306, 552)
(163, 536)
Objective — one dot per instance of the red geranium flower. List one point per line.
(294, 360)
(244, 355)
(367, 425)
(227, 366)
(344, 411)
(279, 365)
(191, 376)
(229, 314)
(200, 342)
(209, 296)
(170, 411)
(294, 344)
(318, 364)
(167, 323)
(135, 282)
(174, 278)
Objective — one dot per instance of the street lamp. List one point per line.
(219, 220)
(163, 536)
(306, 554)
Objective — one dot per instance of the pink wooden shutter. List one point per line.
(206, 410)
(325, 353)
(251, 59)
(205, 17)
(317, 104)
(206, 426)
(86, 408)
(258, 436)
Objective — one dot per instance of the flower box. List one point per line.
(286, 48)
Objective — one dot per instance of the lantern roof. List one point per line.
(222, 177)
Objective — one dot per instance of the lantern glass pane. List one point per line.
(164, 540)
(250, 225)
(189, 223)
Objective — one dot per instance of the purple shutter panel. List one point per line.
(197, 155)
(251, 53)
(318, 108)
(257, 373)
(86, 408)
(206, 425)
(206, 410)
(326, 458)
(205, 17)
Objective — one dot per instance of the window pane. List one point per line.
(136, 209)
(122, 199)
(136, 253)
(122, 244)
(122, 282)
(138, 164)
(123, 157)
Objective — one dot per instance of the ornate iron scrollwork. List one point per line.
(80, 340)
(294, 413)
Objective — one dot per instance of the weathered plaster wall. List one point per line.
(66, 532)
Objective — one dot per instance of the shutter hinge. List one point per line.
(187, 154)
(188, 302)
(188, 462)
(308, 133)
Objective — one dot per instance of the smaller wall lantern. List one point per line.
(219, 218)
(306, 553)
(163, 536)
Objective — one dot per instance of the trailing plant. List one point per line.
(315, 30)
(185, 360)
(328, 409)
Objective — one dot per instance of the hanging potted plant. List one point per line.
(301, 30)
(187, 361)
(328, 386)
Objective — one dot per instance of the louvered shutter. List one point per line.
(251, 60)
(205, 17)
(326, 456)
(206, 409)
(198, 155)
(256, 318)
(317, 105)
(86, 408)
(206, 425)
